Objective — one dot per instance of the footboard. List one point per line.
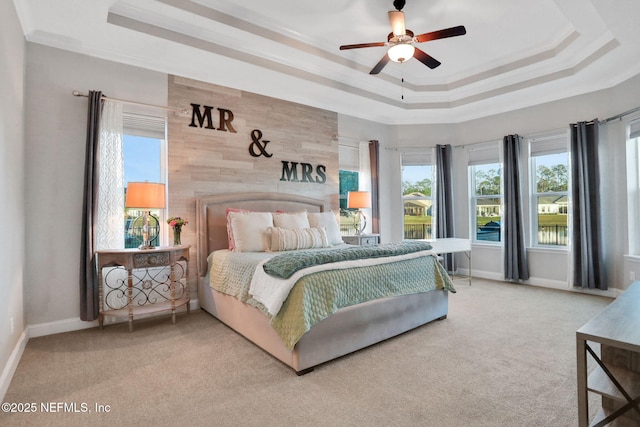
(348, 330)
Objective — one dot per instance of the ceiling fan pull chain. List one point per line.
(402, 86)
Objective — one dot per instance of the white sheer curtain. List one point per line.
(110, 223)
(364, 178)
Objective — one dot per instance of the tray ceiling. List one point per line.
(516, 53)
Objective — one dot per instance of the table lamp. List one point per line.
(359, 200)
(146, 196)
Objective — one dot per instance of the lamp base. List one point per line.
(146, 241)
(360, 224)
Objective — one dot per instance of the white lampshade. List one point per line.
(401, 52)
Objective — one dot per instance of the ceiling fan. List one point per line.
(400, 41)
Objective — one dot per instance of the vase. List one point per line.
(176, 236)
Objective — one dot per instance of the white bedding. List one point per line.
(272, 291)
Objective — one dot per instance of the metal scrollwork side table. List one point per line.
(133, 282)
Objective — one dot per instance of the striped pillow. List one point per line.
(283, 239)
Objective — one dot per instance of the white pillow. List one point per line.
(283, 239)
(291, 220)
(329, 222)
(250, 230)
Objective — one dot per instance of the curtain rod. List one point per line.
(124, 101)
(621, 115)
(460, 147)
(337, 137)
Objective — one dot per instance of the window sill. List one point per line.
(497, 245)
(548, 250)
(633, 258)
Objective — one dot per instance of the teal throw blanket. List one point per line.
(286, 264)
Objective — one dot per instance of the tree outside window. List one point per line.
(417, 201)
(348, 181)
(550, 197)
(486, 201)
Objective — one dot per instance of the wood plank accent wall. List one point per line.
(210, 161)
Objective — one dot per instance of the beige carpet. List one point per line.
(505, 356)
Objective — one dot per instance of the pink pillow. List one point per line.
(229, 229)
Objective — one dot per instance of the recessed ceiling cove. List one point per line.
(484, 57)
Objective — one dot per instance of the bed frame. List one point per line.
(349, 329)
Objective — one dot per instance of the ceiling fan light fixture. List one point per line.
(396, 18)
(401, 52)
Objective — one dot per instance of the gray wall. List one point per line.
(548, 267)
(12, 221)
(55, 168)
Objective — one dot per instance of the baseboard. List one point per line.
(12, 364)
(548, 283)
(541, 282)
(480, 274)
(59, 326)
(75, 324)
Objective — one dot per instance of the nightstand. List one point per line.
(135, 282)
(362, 239)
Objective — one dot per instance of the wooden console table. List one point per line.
(617, 376)
(139, 283)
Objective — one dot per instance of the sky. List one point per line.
(414, 174)
(141, 159)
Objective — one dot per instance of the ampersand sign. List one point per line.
(256, 134)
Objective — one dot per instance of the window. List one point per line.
(353, 174)
(485, 189)
(417, 180)
(633, 185)
(144, 151)
(348, 182)
(549, 190)
(486, 201)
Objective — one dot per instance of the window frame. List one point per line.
(419, 158)
(547, 144)
(353, 157)
(632, 137)
(473, 203)
(154, 126)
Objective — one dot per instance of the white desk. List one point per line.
(451, 245)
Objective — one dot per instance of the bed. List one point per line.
(349, 329)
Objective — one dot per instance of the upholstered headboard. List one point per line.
(212, 221)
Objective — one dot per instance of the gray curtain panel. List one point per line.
(88, 274)
(588, 260)
(374, 165)
(515, 252)
(444, 198)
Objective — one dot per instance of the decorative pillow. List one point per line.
(289, 239)
(229, 229)
(291, 220)
(329, 222)
(250, 230)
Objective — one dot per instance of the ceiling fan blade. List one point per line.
(396, 18)
(426, 59)
(442, 34)
(380, 65)
(358, 46)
